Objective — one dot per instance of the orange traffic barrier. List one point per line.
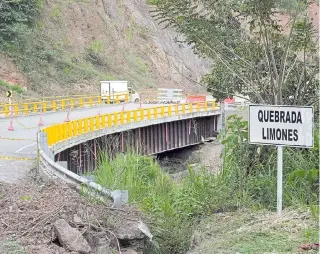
(195, 98)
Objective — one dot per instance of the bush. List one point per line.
(16, 17)
(12, 87)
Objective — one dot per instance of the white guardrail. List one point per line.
(47, 168)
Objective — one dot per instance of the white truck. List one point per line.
(120, 89)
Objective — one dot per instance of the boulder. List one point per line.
(99, 241)
(70, 238)
(132, 235)
(77, 219)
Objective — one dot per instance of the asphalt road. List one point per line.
(18, 147)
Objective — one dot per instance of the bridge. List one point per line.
(76, 130)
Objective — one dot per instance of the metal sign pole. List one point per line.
(10, 104)
(279, 181)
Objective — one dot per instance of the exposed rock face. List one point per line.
(166, 53)
(10, 72)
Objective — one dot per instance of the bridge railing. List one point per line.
(60, 132)
(46, 98)
(25, 108)
(54, 134)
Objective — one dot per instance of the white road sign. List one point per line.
(281, 125)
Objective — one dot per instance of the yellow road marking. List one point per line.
(25, 127)
(18, 139)
(16, 158)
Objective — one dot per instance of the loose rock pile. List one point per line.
(53, 218)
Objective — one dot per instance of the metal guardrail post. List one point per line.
(128, 116)
(115, 119)
(109, 120)
(98, 123)
(103, 121)
(191, 107)
(86, 129)
(121, 117)
(135, 115)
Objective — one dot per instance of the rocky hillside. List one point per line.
(77, 43)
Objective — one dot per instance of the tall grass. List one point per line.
(172, 207)
(248, 179)
(251, 171)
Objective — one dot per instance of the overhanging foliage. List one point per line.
(254, 55)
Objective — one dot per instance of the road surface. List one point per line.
(18, 147)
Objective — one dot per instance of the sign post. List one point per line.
(281, 126)
(279, 180)
(9, 95)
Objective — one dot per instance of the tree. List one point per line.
(253, 54)
(16, 17)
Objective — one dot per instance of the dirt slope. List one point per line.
(77, 43)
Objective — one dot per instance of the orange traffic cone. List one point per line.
(67, 117)
(40, 121)
(11, 125)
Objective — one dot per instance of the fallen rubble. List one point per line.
(53, 218)
(70, 238)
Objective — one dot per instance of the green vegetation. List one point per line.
(97, 46)
(253, 55)
(11, 87)
(153, 2)
(11, 246)
(247, 181)
(258, 232)
(16, 19)
(25, 198)
(270, 66)
(55, 12)
(155, 193)
(251, 170)
(50, 60)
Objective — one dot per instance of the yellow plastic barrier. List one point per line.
(26, 108)
(59, 132)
